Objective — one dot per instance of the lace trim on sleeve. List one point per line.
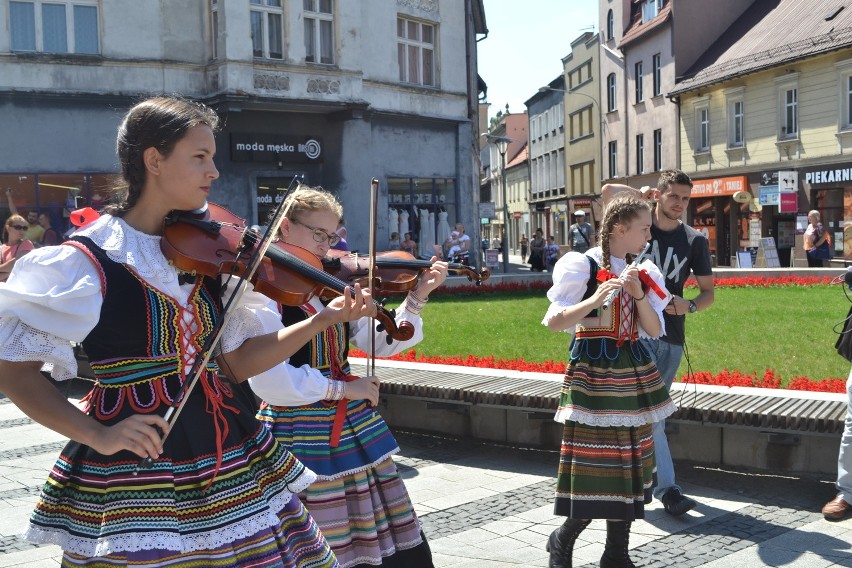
(21, 342)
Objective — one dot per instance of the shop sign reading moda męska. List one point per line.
(273, 148)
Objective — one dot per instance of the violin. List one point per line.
(217, 242)
(396, 271)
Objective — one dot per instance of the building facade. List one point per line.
(583, 127)
(339, 92)
(548, 203)
(771, 117)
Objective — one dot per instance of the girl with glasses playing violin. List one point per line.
(327, 417)
(14, 244)
(221, 490)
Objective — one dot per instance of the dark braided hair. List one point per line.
(159, 122)
(620, 211)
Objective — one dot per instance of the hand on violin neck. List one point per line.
(348, 306)
(432, 278)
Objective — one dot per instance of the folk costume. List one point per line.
(359, 500)
(611, 395)
(223, 491)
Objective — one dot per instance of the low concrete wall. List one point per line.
(710, 444)
(769, 449)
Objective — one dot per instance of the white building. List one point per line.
(339, 91)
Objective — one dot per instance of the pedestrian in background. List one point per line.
(677, 250)
(537, 251)
(551, 253)
(581, 236)
(34, 230)
(525, 246)
(50, 236)
(612, 392)
(15, 246)
(817, 243)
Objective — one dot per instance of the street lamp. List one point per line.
(502, 145)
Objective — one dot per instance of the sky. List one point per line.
(525, 46)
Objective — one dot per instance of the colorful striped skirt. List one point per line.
(605, 472)
(183, 511)
(359, 500)
(367, 516)
(294, 542)
(610, 397)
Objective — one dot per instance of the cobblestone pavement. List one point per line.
(491, 505)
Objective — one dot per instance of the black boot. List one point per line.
(616, 552)
(560, 545)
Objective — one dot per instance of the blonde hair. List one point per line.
(815, 213)
(620, 211)
(16, 218)
(11, 221)
(310, 199)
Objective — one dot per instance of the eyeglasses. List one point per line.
(19, 227)
(320, 235)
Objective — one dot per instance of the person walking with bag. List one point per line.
(612, 392)
(817, 242)
(581, 236)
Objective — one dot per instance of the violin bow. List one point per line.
(199, 366)
(374, 198)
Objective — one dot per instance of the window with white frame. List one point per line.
(844, 94)
(736, 117)
(640, 153)
(658, 150)
(788, 111)
(55, 27)
(267, 29)
(702, 125)
(610, 93)
(319, 31)
(416, 52)
(613, 160)
(650, 9)
(638, 79)
(656, 71)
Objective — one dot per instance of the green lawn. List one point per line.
(789, 329)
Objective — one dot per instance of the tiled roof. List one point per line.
(768, 34)
(522, 157)
(639, 28)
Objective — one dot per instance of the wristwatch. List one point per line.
(693, 307)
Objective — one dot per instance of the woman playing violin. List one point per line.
(326, 416)
(221, 489)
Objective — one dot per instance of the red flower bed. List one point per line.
(769, 380)
(743, 282)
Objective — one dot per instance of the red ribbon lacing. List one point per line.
(215, 405)
(626, 331)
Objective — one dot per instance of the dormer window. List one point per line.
(650, 9)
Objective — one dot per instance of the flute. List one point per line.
(609, 299)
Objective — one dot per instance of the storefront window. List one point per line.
(54, 194)
(425, 207)
(704, 220)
